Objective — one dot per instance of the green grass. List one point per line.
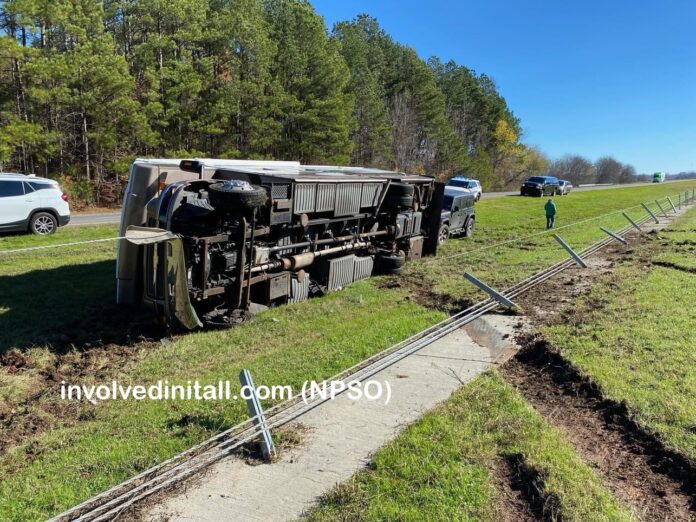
(49, 295)
(43, 291)
(633, 335)
(440, 467)
(514, 217)
(310, 340)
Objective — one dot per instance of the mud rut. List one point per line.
(656, 483)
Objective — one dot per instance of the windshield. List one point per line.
(536, 179)
(460, 183)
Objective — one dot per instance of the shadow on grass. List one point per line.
(66, 307)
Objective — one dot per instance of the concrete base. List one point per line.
(341, 435)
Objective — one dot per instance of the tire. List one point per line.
(443, 234)
(399, 195)
(391, 263)
(43, 223)
(469, 229)
(222, 195)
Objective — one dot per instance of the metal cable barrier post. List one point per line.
(672, 204)
(661, 209)
(256, 412)
(572, 252)
(614, 236)
(635, 225)
(651, 213)
(490, 291)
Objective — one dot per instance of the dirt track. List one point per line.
(655, 482)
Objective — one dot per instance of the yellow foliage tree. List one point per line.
(512, 160)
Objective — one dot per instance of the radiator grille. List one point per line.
(305, 195)
(341, 272)
(326, 196)
(363, 267)
(370, 193)
(299, 291)
(348, 197)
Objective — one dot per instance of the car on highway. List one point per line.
(31, 203)
(472, 185)
(564, 187)
(458, 215)
(540, 186)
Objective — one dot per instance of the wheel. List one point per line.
(443, 235)
(391, 263)
(399, 195)
(236, 193)
(43, 223)
(469, 230)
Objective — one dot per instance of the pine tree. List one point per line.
(372, 137)
(315, 107)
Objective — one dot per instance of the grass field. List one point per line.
(442, 467)
(58, 321)
(633, 335)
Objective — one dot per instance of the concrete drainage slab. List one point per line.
(341, 435)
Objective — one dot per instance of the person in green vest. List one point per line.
(550, 209)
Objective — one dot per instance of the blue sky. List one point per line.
(595, 78)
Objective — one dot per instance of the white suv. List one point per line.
(31, 203)
(472, 185)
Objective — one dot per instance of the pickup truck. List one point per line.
(458, 215)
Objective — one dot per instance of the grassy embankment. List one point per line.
(441, 467)
(631, 335)
(47, 295)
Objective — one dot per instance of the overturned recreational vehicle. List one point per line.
(208, 240)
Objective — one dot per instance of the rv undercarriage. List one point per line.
(213, 249)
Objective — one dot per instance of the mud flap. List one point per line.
(176, 299)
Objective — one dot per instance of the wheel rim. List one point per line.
(43, 225)
(443, 235)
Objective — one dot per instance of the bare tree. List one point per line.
(405, 131)
(574, 168)
(608, 170)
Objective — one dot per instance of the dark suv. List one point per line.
(458, 215)
(541, 186)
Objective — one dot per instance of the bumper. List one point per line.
(63, 220)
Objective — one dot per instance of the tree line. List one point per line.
(579, 170)
(87, 86)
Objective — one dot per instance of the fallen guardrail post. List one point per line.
(256, 413)
(661, 209)
(614, 236)
(572, 252)
(490, 291)
(651, 213)
(670, 202)
(635, 225)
